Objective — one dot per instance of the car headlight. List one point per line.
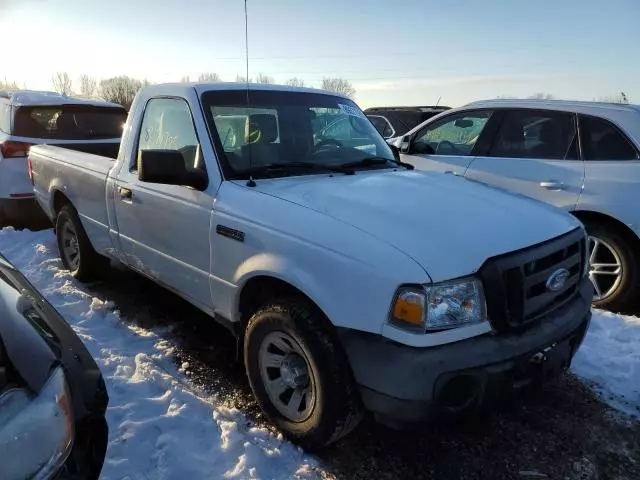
(36, 433)
(440, 306)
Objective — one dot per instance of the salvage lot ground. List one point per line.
(181, 408)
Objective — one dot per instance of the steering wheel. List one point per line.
(326, 142)
(447, 144)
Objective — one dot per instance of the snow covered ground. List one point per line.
(161, 427)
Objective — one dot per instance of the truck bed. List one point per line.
(79, 176)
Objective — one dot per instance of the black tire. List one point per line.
(90, 264)
(337, 408)
(623, 297)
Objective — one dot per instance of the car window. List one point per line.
(382, 125)
(602, 141)
(69, 122)
(4, 117)
(168, 125)
(454, 135)
(535, 134)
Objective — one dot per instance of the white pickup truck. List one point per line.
(351, 281)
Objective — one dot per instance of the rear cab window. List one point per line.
(69, 122)
(601, 140)
(5, 116)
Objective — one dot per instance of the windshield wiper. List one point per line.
(374, 161)
(296, 166)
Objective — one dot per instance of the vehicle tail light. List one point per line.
(30, 171)
(12, 149)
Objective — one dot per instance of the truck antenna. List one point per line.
(438, 102)
(250, 182)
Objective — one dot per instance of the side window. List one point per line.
(4, 117)
(168, 125)
(602, 141)
(382, 125)
(454, 135)
(536, 134)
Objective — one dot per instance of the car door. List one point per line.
(534, 153)
(447, 144)
(164, 229)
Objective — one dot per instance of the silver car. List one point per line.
(580, 156)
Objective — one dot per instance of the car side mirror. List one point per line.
(168, 167)
(405, 144)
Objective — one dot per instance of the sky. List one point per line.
(400, 52)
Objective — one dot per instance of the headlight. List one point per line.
(439, 307)
(36, 434)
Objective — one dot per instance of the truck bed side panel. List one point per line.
(81, 178)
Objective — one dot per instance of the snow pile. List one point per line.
(609, 359)
(159, 426)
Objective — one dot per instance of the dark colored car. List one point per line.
(396, 121)
(52, 394)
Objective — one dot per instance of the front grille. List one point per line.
(516, 283)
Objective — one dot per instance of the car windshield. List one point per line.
(307, 132)
(69, 122)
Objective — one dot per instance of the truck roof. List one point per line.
(19, 97)
(200, 87)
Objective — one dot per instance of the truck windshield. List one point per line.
(69, 122)
(281, 128)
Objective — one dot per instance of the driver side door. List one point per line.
(448, 144)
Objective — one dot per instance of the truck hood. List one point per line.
(448, 224)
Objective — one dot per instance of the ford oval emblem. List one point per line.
(557, 280)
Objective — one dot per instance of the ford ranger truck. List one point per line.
(352, 282)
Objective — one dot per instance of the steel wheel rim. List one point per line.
(287, 376)
(70, 247)
(605, 268)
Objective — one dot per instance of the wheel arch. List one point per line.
(590, 216)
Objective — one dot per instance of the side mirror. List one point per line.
(405, 144)
(168, 167)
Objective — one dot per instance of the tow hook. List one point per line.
(541, 356)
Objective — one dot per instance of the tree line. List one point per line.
(122, 89)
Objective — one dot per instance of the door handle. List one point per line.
(451, 172)
(125, 193)
(551, 185)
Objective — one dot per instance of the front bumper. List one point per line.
(406, 384)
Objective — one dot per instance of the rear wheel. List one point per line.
(299, 374)
(613, 269)
(76, 252)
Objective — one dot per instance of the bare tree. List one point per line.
(263, 78)
(121, 90)
(61, 83)
(542, 96)
(185, 79)
(295, 82)
(242, 79)
(210, 77)
(620, 98)
(339, 85)
(5, 84)
(88, 86)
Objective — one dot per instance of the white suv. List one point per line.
(28, 118)
(580, 156)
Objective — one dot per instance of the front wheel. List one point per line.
(613, 268)
(299, 374)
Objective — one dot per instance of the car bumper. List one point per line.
(402, 384)
(22, 213)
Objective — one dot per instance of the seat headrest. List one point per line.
(267, 125)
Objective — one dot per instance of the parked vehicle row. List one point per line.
(29, 118)
(396, 121)
(582, 157)
(351, 280)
